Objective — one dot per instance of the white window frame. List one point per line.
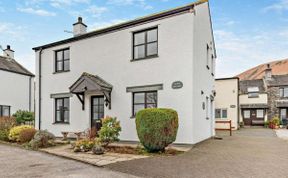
(221, 113)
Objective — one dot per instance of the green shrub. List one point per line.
(42, 139)
(275, 121)
(156, 128)
(27, 135)
(83, 145)
(6, 123)
(109, 131)
(24, 116)
(15, 132)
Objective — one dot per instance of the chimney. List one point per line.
(268, 72)
(79, 27)
(8, 52)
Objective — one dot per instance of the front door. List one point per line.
(253, 116)
(97, 111)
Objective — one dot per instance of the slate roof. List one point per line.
(245, 84)
(279, 67)
(10, 65)
(278, 80)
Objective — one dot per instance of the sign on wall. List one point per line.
(177, 85)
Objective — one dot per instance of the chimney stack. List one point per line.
(268, 72)
(79, 27)
(8, 52)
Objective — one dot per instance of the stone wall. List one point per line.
(273, 96)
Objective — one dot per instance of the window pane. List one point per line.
(247, 114)
(152, 35)
(283, 114)
(224, 113)
(151, 106)
(66, 54)
(66, 65)
(139, 52)
(59, 104)
(285, 92)
(58, 116)
(59, 55)
(66, 116)
(5, 111)
(101, 115)
(218, 113)
(101, 101)
(253, 95)
(59, 66)
(139, 98)
(139, 38)
(138, 107)
(151, 97)
(281, 92)
(260, 113)
(66, 103)
(151, 49)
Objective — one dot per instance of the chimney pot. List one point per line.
(268, 72)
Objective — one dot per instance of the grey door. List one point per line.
(97, 111)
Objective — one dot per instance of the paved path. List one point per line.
(18, 163)
(249, 153)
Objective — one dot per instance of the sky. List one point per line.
(247, 33)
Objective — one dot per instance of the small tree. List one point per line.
(22, 116)
(109, 131)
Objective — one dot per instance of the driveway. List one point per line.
(16, 162)
(248, 153)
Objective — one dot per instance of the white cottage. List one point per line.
(164, 60)
(17, 85)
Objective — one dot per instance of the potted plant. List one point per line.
(275, 122)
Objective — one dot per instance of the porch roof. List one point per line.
(89, 82)
(281, 104)
(253, 106)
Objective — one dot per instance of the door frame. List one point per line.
(91, 107)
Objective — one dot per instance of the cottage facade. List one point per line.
(17, 85)
(165, 60)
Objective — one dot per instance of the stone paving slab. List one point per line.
(282, 133)
(89, 157)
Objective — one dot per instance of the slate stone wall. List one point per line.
(273, 95)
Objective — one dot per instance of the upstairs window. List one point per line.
(207, 56)
(62, 60)
(253, 92)
(4, 111)
(145, 44)
(284, 92)
(212, 65)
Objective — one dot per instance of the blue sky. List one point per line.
(247, 32)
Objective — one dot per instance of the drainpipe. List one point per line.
(39, 98)
(30, 78)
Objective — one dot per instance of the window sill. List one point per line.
(64, 71)
(140, 59)
(61, 123)
(132, 117)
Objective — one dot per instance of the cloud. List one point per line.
(96, 11)
(40, 12)
(12, 31)
(140, 3)
(61, 3)
(240, 51)
(280, 6)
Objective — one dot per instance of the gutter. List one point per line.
(30, 87)
(40, 83)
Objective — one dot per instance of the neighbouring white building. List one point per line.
(227, 102)
(17, 85)
(164, 60)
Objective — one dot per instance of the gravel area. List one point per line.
(20, 163)
(249, 152)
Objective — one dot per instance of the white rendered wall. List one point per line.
(203, 80)
(109, 55)
(227, 96)
(14, 91)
